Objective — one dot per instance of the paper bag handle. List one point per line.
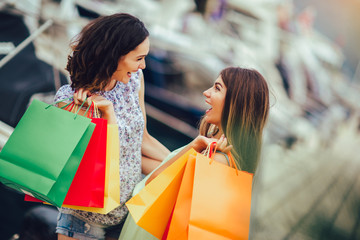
(76, 114)
(93, 111)
(211, 150)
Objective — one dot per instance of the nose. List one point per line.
(142, 64)
(206, 93)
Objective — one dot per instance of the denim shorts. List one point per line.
(74, 227)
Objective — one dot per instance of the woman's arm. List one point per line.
(200, 143)
(148, 165)
(151, 148)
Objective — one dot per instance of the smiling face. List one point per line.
(131, 62)
(215, 97)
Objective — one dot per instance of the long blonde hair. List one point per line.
(245, 113)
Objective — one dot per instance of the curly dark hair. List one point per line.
(99, 47)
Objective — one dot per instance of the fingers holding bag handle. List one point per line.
(74, 108)
(81, 96)
(104, 106)
(72, 105)
(78, 110)
(95, 113)
(91, 111)
(211, 150)
(222, 145)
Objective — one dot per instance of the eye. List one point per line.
(140, 58)
(216, 87)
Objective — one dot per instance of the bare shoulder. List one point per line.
(219, 157)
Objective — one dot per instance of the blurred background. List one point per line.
(306, 186)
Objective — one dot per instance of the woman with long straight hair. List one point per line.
(238, 112)
(243, 116)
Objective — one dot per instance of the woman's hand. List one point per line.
(200, 143)
(105, 106)
(222, 145)
(80, 95)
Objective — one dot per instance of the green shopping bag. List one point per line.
(43, 153)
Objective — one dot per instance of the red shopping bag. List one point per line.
(29, 198)
(87, 187)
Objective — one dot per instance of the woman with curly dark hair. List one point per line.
(105, 67)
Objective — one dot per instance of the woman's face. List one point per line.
(131, 62)
(215, 97)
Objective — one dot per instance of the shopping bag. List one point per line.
(29, 198)
(214, 202)
(44, 151)
(178, 224)
(151, 207)
(130, 229)
(87, 187)
(112, 175)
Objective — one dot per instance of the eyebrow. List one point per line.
(217, 83)
(142, 56)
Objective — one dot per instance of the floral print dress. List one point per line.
(130, 120)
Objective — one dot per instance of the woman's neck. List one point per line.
(111, 85)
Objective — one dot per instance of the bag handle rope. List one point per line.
(96, 111)
(76, 114)
(93, 110)
(210, 153)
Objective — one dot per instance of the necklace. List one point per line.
(213, 130)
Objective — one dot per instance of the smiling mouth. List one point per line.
(210, 107)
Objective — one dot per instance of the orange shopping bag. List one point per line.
(179, 221)
(151, 208)
(214, 202)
